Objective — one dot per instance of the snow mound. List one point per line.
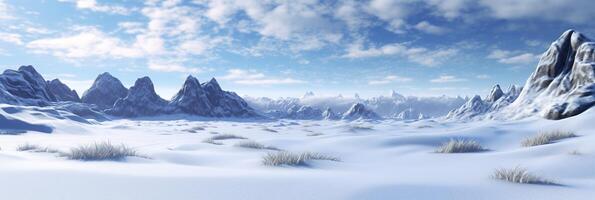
(105, 91)
(563, 85)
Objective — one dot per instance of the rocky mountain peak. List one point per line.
(61, 91)
(104, 92)
(495, 94)
(359, 111)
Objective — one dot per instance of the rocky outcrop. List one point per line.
(62, 92)
(495, 94)
(563, 85)
(141, 100)
(477, 108)
(359, 111)
(105, 91)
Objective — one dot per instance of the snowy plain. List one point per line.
(383, 159)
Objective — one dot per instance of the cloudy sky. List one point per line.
(286, 48)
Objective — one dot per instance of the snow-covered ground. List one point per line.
(379, 160)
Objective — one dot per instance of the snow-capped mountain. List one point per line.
(141, 100)
(476, 107)
(386, 106)
(62, 92)
(304, 112)
(328, 114)
(563, 85)
(359, 111)
(105, 91)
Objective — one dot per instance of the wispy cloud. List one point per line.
(251, 77)
(94, 6)
(513, 58)
(389, 79)
(418, 55)
(447, 79)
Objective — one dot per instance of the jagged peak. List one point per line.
(495, 94)
(213, 84)
(28, 68)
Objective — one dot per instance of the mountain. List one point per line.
(192, 99)
(477, 108)
(563, 85)
(62, 92)
(141, 100)
(304, 112)
(105, 91)
(24, 86)
(224, 103)
(385, 106)
(208, 99)
(359, 111)
(328, 114)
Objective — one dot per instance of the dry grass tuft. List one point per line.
(547, 138)
(519, 175)
(460, 146)
(294, 159)
(254, 145)
(101, 151)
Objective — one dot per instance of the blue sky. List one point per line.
(286, 48)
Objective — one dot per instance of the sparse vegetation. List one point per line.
(314, 134)
(575, 153)
(519, 175)
(294, 159)
(226, 137)
(35, 148)
(357, 128)
(547, 138)
(270, 130)
(101, 151)
(254, 145)
(460, 146)
(211, 141)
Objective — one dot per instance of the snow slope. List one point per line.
(379, 160)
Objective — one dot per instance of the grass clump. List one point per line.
(460, 146)
(547, 138)
(519, 175)
(226, 137)
(254, 145)
(211, 141)
(294, 159)
(101, 151)
(36, 148)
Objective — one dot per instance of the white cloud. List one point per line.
(246, 77)
(168, 66)
(389, 79)
(578, 11)
(11, 38)
(450, 9)
(483, 76)
(418, 55)
(513, 58)
(5, 12)
(447, 79)
(393, 12)
(86, 42)
(533, 43)
(94, 6)
(425, 26)
(132, 27)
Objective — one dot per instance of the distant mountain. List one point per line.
(359, 111)
(476, 108)
(387, 107)
(105, 91)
